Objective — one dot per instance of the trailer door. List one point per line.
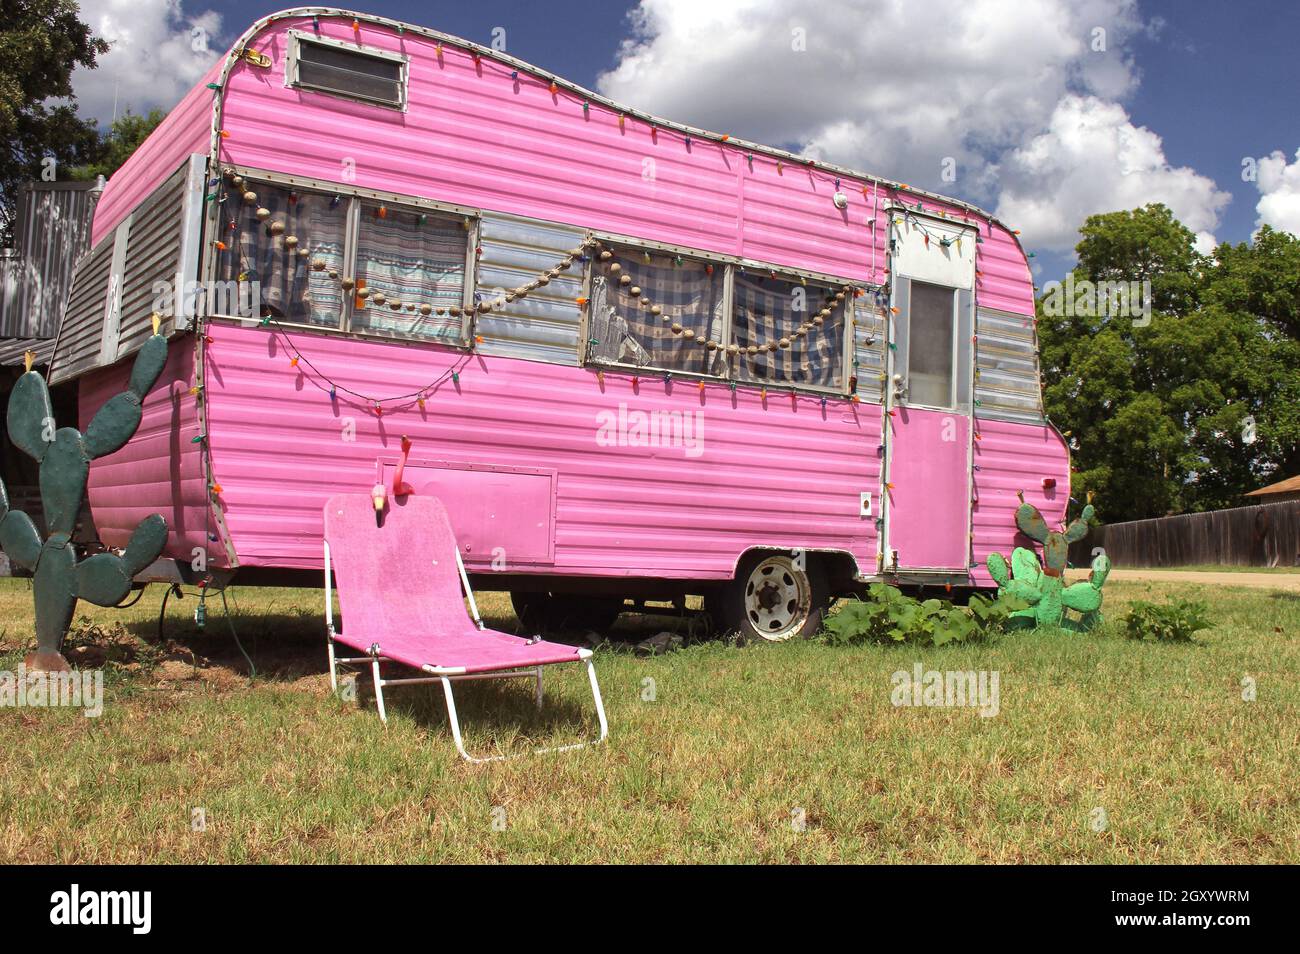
(928, 427)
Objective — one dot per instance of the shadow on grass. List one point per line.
(290, 644)
(282, 646)
(501, 709)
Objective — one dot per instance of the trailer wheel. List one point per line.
(549, 612)
(772, 598)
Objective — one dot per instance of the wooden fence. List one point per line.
(1264, 535)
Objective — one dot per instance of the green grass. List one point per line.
(737, 739)
(1222, 568)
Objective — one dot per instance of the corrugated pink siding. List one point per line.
(783, 474)
(1011, 458)
(777, 474)
(789, 217)
(1004, 281)
(1002, 277)
(159, 470)
(472, 135)
(186, 130)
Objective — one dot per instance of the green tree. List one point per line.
(1191, 409)
(116, 146)
(41, 42)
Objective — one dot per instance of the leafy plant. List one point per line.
(59, 578)
(888, 616)
(1174, 622)
(1043, 586)
(1157, 410)
(41, 43)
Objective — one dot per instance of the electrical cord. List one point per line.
(252, 670)
(176, 589)
(139, 594)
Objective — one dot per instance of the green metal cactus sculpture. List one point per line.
(1042, 585)
(64, 456)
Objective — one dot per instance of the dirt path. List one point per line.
(1269, 581)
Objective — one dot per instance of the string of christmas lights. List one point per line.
(564, 92)
(394, 402)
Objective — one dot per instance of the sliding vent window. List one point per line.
(655, 311)
(370, 75)
(284, 254)
(788, 333)
(410, 276)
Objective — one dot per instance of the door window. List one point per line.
(931, 341)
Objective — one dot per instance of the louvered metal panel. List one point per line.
(153, 251)
(543, 326)
(869, 349)
(82, 328)
(53, 231)
(157, 242)
(1006, 361)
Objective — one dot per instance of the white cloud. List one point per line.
(1279, 187)
(1205, 243)
(1023, 94)
(158, 53)
(891, 88)
(1093, 159)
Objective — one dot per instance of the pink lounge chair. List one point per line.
(400, 580)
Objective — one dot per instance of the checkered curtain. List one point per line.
(411, 262)
(289, 289)
(769, 309)
(625, 330)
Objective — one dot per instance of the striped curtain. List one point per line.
(412, 263)
(767, 310)
(289, 289)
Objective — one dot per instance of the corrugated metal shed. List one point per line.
(13, 349)
(53, 231)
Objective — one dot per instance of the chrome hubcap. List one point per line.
(778, 598)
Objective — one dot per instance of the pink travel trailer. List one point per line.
(634, 359)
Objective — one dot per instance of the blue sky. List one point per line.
(1044, 122)
(1221, 84)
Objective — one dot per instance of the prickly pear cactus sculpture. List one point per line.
(64, 455)
(1042, 586)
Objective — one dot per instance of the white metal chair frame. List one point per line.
(446, 675)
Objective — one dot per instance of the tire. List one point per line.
(772, 599)
(552, 612)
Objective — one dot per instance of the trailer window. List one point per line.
(655, 311)
(284, 251)
(410, 273)
(930, 338)
(375, 76)
(787, 332)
